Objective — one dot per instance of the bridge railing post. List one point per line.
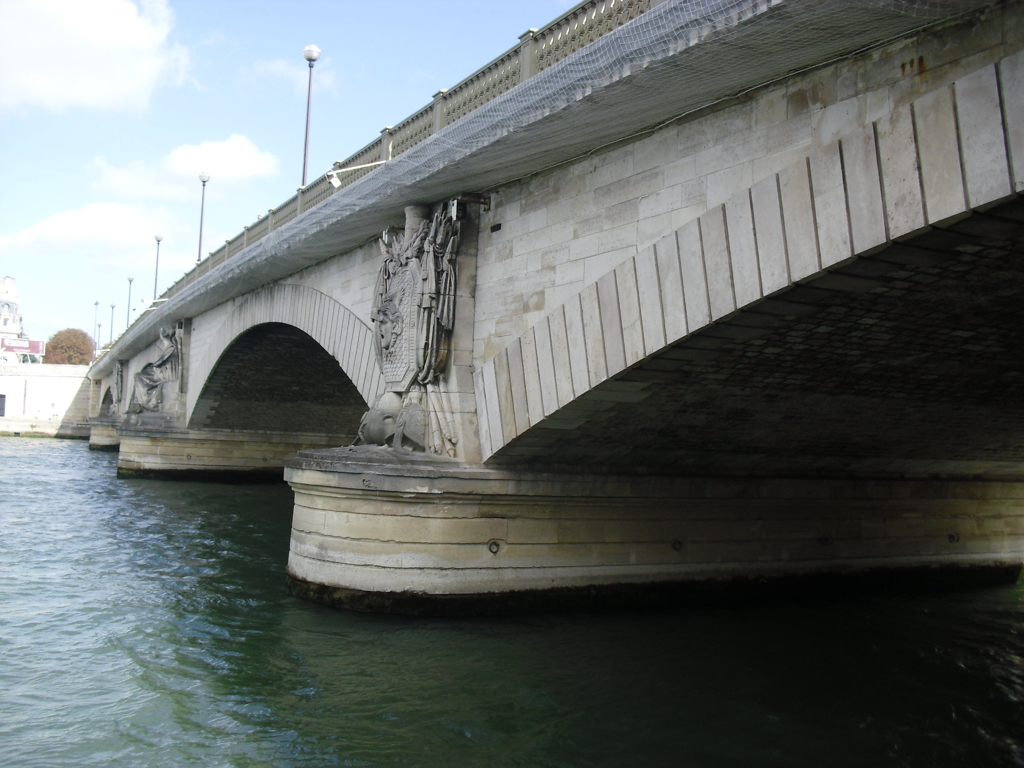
(527, 54)
(439, 121)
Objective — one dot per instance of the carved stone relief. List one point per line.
(146, 390)
(414, 313)
(118, 389)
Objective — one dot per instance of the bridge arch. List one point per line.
(913, 199)
(288, 315)
(106, 401)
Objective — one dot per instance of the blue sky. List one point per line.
(109, 109)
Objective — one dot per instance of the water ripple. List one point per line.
(146, 623)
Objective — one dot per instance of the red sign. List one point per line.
(23, 346)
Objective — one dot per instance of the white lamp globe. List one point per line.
(311, 53)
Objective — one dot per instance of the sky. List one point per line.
(110, 109)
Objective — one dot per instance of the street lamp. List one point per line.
(95, 325)
(111, 324)
(156, 271)
(128, 312)
(311, 53)
(203, 177)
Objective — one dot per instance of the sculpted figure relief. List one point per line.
(118, 389)
(414, 313)
(146, 389)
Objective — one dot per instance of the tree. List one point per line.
(69, 347)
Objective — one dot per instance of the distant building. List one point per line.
(10, 315)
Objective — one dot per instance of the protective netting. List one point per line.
(679, 57)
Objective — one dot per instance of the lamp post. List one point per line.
(95, 325)
(128, 311)
(111, 324)
(203, 177)
(156, 271)
(311, 53)
(99, 330)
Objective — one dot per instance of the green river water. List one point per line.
(146, 623)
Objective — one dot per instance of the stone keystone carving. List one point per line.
(146, 390)
(414, 312)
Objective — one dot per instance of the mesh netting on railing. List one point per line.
(676, 57)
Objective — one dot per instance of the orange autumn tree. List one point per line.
(69, 347)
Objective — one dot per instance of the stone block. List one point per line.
(531, 375)
(594, 342)
(1011, 81)
(835, 121)
(901, 175)
(546, 367)
(517, 377)
(652, 229)
(495, 426)
(560, 356)
(798, 221)
(691, 268)
(721, 185)
(769, 108)
(629, 312)
(664, 201)
(742, 248)
(577, 341)
(670, 277)
(629, 188)
(611, 323)
(830, 214)
(483, 425)
(506, 406)
(769, 235)
(649, 293)
(863, 189)
(939, 155)
(717, 262)
(982, 140)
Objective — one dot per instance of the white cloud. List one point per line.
(101, 54)
(175, 176)
(295, 74)
(66, 261)
(100, 235)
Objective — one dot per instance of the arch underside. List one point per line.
(856, 313)
(334, 330)
(908, 362)
(277, 378)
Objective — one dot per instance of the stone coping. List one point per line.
(379, 470)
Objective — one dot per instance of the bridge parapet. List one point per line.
(537, 50)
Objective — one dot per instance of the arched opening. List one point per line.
(276, 378)
(907, 362)
(106, 402)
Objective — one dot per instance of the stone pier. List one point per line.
(376, 531)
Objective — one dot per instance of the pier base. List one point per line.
(379, 531)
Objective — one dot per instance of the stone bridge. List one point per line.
(728, 300)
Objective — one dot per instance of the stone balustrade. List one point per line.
(536, 51)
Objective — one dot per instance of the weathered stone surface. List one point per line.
(386, 530)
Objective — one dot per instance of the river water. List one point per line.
(146, 623)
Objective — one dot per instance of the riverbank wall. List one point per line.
(44, 400)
